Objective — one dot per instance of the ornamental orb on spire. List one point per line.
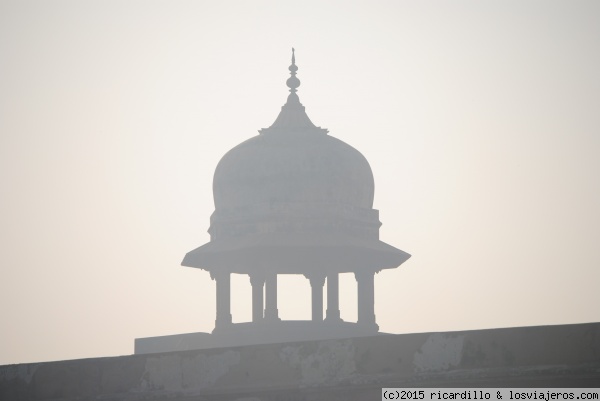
(293, 82)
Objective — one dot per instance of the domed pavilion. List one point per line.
(294, 200)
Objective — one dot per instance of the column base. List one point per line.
(371, 325)
(333, 316)
(272, 315)
(222, 323)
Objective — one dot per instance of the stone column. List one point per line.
(366, 297)
(271, 312)
(223, 282)
(333, 298)
(316, 283)
(257, 280)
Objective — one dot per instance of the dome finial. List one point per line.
(292, 117)
(293, 83)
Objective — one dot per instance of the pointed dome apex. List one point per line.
(292, 117)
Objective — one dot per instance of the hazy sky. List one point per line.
(481, 122)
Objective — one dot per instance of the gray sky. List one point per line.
(480, 121)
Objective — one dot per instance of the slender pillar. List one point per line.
(333, 298)
(366, 297)
(271, 312)
(223, 282)
(257, 281)
(316, 284)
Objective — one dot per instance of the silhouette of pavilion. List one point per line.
(294, 200)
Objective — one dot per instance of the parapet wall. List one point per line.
(344, 369)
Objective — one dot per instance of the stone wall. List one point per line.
(347, 369)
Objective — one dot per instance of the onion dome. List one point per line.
(292, 161)
(293, 186)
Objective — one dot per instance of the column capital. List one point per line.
(317, 279)
(364, 274)
(257, 278)
(217, 274)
